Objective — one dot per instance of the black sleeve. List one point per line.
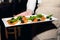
(35, 6)
(2, 30)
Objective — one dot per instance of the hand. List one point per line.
(26, 13)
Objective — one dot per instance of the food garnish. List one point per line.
(32, 17)
(19, 18)
(43, 18)
(12, 21)
(49, 16)
(24, 19)
(39, 15)
(35, 20)
(39, 19)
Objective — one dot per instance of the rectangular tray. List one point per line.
(7, 25)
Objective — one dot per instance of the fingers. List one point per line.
(23, 14)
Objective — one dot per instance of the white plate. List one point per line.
(7, 25)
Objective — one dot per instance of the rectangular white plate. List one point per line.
(7, 25)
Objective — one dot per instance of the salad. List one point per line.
(25, 19)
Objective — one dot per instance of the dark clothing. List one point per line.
(13, 8)
(27, 31)
(9, 9)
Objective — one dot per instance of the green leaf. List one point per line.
(32, 17)
(19, 18)
(39, 15)
(13, 20)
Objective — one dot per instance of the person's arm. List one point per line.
(31, 5)
(30, 8)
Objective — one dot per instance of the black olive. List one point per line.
(47, 17)
(50, 18)
(22, 21)
(39, 20)
(11, 22)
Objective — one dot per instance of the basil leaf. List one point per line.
(39, 15)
